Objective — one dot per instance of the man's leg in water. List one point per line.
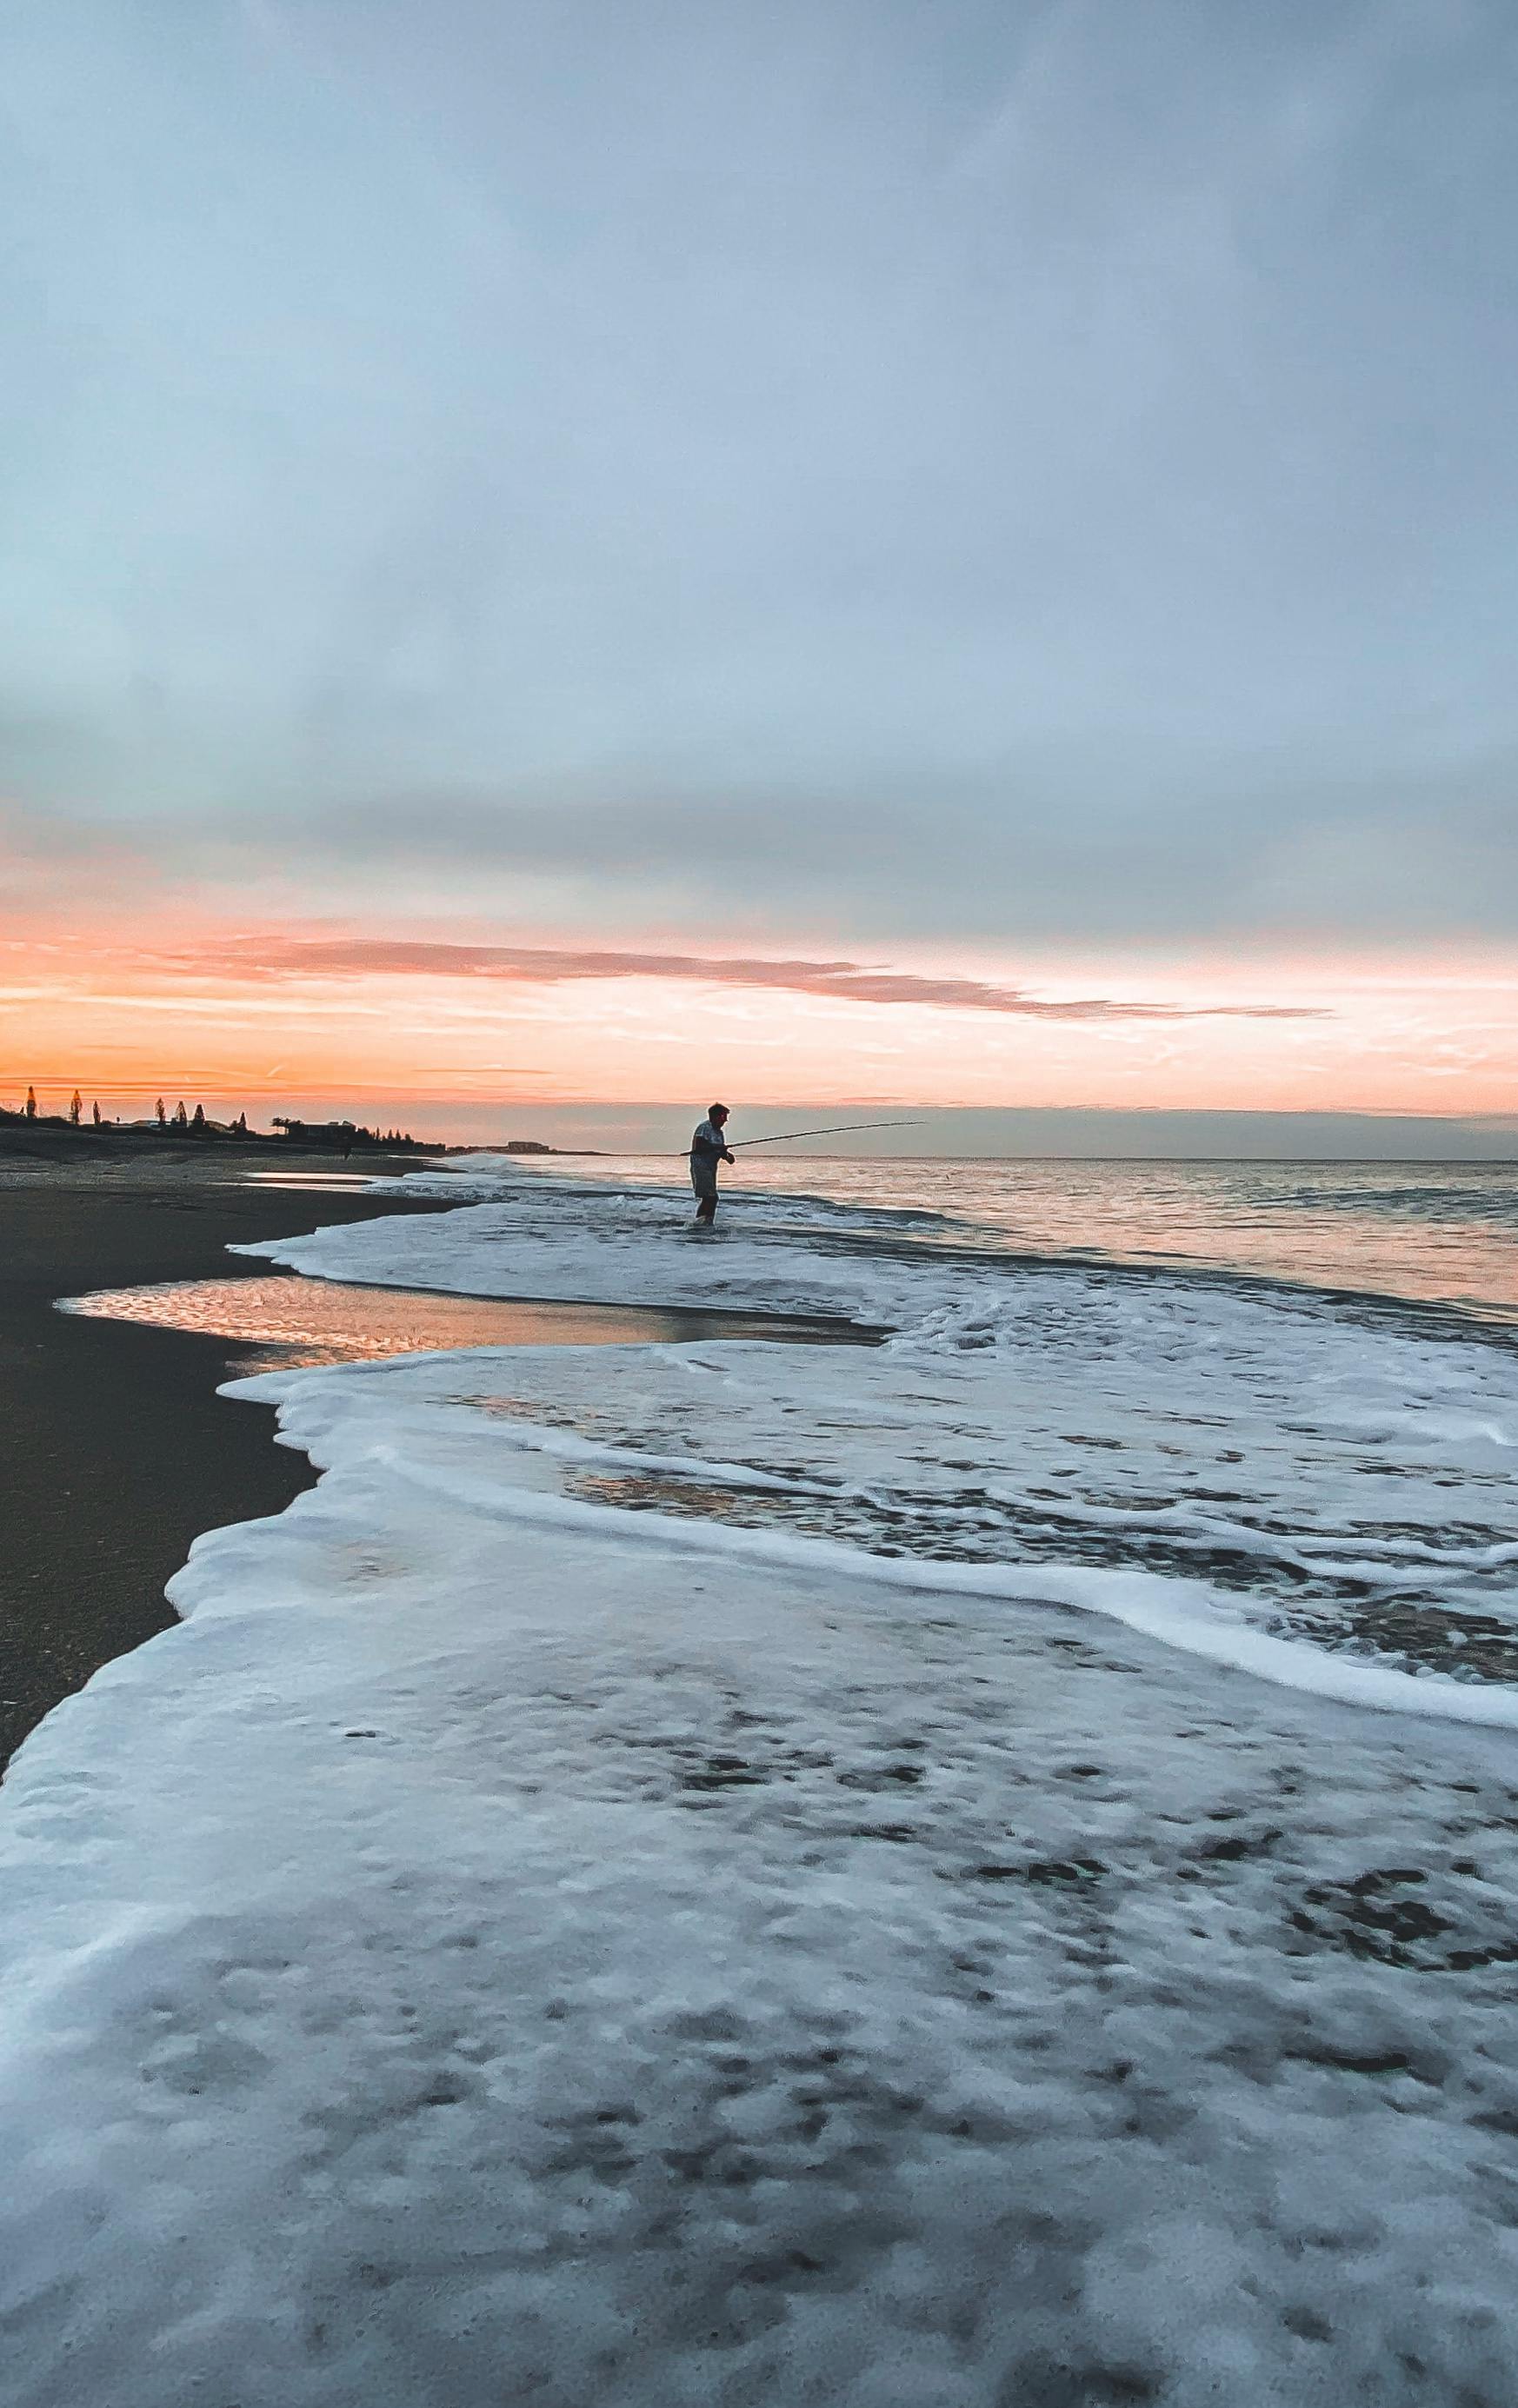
(706, 1208)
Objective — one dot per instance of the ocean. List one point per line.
(1443, 1233)
(971, 1869)
(1272, 1404)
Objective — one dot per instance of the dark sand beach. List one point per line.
(115, 1451)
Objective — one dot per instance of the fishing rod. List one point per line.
(841, 1128)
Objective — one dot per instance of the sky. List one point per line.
(562, 559)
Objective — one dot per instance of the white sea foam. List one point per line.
(488, 1951)
(1260, 1466)
(1442, 1233)
(571, 1916)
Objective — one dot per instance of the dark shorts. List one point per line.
(703, 1177)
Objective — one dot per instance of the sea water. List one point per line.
(976, 1870)
(1252, 1460)
(281, 1322)
(1443, 1233)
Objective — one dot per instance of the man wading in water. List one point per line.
(708, 1148)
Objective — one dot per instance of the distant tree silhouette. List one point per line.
(163, 1116)
(198, 1124)
(95, 1115)
(76, 1106)
(181, 1118)
(31, 1103)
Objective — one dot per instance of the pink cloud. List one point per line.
(838, 980)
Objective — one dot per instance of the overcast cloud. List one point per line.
(1007, 468)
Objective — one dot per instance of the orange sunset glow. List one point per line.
(328, 1019)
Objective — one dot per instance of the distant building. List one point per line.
(345, 1136)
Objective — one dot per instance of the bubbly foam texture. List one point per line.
(501, 1939)
(651, 1884)
(1440, 1233)
(1264, 1462)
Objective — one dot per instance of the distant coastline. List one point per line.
(53, 1137)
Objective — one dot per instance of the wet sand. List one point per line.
(115, 1451)
(286, 1322)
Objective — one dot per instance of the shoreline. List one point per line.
(117, 1448)
(503, 1882)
